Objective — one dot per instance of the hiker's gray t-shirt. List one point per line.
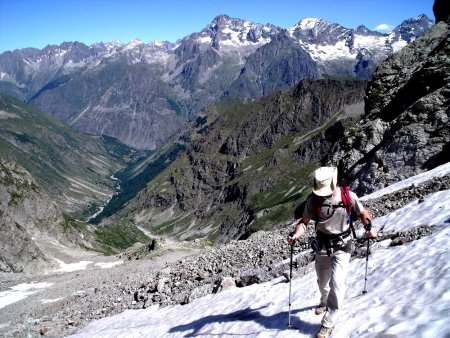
(331, 220)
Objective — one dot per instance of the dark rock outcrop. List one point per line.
(406, 126)
(441, 11)
(278, 65)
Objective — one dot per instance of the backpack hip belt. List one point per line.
(330, 241)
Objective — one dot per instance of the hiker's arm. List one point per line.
(299, 230)
(367, 221)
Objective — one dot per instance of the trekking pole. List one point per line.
(367, 261)
(290, 281)
(368, 227)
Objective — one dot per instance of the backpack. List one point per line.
(346, 203)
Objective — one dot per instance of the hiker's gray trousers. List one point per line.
(331, 274)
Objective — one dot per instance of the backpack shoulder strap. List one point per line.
(348, 205)
(346, 199)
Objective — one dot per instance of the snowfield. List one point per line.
(408, 293)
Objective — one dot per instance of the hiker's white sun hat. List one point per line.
(325, 181)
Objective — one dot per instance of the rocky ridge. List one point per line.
(141, 283)
(21, 218)
(341, 51)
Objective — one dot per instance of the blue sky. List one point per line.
(37, 23)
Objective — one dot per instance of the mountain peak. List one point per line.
(422, 21)
(361, 29)
(419, 18)
(230, 33)
(223, 21)
(158, 43)
(310, 23)
(221, 18)
(115, 43)
(133, 43)
(410, 29)
(318, 31)
(316, 28)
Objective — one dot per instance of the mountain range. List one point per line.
(143, 93)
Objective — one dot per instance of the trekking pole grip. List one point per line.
(291, 234)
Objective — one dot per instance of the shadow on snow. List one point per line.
(277, 321)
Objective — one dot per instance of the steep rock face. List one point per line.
(245, 161)
(34, 230)
(25, 212)
(129, 102)
(406, 127)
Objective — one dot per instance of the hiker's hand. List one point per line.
(292, 238)
(299, 230)
(371, 233)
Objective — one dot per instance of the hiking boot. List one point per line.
(320, 309)
(324, 332)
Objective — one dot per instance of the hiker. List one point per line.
(328, 206)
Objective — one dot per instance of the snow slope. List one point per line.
(408, 293)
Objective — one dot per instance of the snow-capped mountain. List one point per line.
(161, 84)
(407, 31)
(225, 33)
(333, 46)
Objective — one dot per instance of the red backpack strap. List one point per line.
(346, 199)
